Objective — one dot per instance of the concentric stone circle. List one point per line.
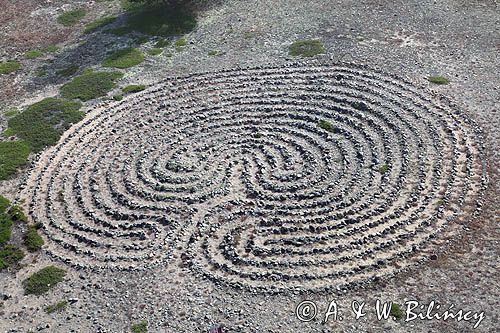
(230, 172)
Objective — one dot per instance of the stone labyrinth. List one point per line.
(302, 177)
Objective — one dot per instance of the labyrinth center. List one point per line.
(301, 177)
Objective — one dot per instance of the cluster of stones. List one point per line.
(233, 167)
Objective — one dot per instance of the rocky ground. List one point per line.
(412, 40)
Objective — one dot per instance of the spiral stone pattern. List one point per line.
(306, 176)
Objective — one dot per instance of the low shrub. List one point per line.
(17, 215)
(326, 125)
(32, 54)
(90, 85)
(43, 280)
(13, 155)
(68, 71)
(4, 204)
(306, 48)
(32, 239)
(9, 66)
(42, 123)
(99, 23)
(10, 255)
(133, 88)
(141, 327)
(57, 307)
(396, 311)
(71, 17)
(5, 228)
(155, 51)
(438, 80)
(124, 58)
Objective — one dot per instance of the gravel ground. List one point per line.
(412, 39)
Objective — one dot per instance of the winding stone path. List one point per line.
(230, 172)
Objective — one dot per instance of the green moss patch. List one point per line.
(42, 123)
(50, 49)
(32, 239)
(162, 43)
(120, 31)
(4, 204)
(5, 228)
(10, 255)
(9, 66)
(306, 48)
(71, 17)
(68, 71)
(124, 58)
(214, 53)
(33, 54)
(155, 51)
(438, 80)
(396, 311)
(130, 5)
(180, 44)
(326, 125)
(17, 215)
(383, 169)
(141, 327)
(133, 88)
(56, 307)
(90, 85)
(43, 280)
(99, 23)
(13, 155)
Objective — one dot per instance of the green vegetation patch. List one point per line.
(120, 31)
(155, 51)
(11, 113)
(162, 43)
(9, 66)
(43, 280)
(5, 228)
(326, 125)
(56, 307)
(13, 155)
(17, 215)
(32, 54)
(141, 327)
(133, 88)
(396, 311)
(71, 17)
(42, 123)
(306, 48)
(32, 239)
(10, 255)
(162, 20)
(93, 26)
(438, 80)
(68, 71)
(179, 44)
(50, 49)
(131, 5)
(124, 58)
(141, 40)
(249, 34)
(90, 85)
(118, 97)
(383, 169)
(4, 204)
(214, 53)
